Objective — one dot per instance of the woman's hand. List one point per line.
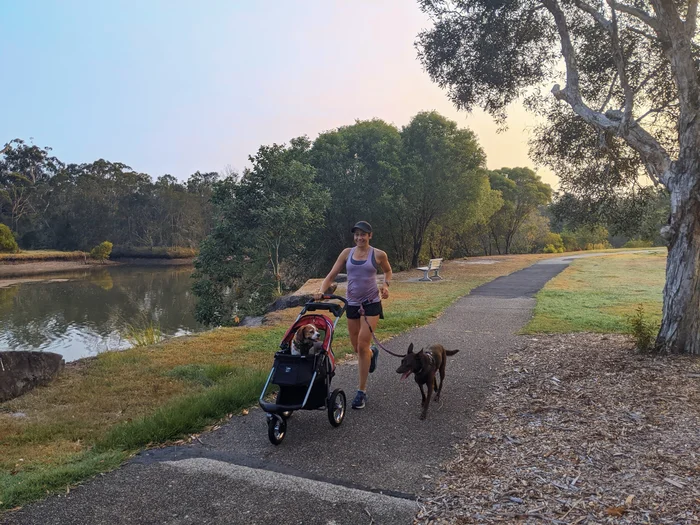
(318, 296)
(385, 291)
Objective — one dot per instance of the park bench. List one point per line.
(433, 266)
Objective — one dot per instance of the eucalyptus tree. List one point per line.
(627, 88)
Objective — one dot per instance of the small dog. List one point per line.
(306, 340)
(425, 365)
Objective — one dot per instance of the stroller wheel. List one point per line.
(336, 407)
(276, 429)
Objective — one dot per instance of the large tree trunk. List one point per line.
(680, 326)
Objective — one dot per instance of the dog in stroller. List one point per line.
(304, 379)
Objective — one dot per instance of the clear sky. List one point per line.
(180, 86)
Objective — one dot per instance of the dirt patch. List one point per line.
(578, 430)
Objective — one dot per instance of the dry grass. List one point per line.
(43, 255)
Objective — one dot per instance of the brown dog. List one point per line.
(424, 365)
(305, 340)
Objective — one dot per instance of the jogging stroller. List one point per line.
(304, 381)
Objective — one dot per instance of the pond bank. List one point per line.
(12, 270)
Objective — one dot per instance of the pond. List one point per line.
(81, 314)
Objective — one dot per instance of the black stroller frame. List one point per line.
(304, 381)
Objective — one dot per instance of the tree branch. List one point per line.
(653, 154)
(637, 13)
(610, 93)
(619, 59)
(691, 19)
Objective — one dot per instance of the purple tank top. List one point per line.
(362, 279)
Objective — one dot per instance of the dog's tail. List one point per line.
(451, 352)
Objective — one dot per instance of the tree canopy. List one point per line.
(628, 106)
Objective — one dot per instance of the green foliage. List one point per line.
(265, 218)
(153, 252)
(643, 330)
(553, 243)
(8, 244)
(101, 251)
(523, 192)
(53, 205)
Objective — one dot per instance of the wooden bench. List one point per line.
(433, 266)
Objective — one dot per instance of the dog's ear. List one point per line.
(410, 349)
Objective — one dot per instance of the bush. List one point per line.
(643, 331)
(8, 244)
(638, 243)
(569, 240)
(550, 248)
(553, 243)
(101, 251)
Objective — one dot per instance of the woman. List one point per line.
(361, 264)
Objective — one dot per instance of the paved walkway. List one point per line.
(368, 470)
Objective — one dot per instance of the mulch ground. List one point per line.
(580, 429)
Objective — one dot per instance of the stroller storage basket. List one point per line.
(297, 369)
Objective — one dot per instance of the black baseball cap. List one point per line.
(362, 225)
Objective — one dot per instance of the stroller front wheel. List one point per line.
(276, 429)
(336, 407)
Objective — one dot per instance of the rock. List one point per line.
(20, 372)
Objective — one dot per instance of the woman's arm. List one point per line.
(337, 267)
(383, 261)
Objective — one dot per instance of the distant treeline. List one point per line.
(53, 205)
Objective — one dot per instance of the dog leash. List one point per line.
(380, 345)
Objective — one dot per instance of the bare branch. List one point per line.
(610, 93)
(646, 35)
(691, 19)
(619, 59)
(655, 111)
(597, 15)
(637, 13)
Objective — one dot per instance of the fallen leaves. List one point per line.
(579, 430)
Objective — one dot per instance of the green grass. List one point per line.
(19, 488)
(601, 294)
(143, 335)
(205, 375)
(186, 415)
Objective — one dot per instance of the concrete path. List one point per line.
(371, 469)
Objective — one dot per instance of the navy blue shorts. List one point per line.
(371, 310)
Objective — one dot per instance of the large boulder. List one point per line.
(22, 371)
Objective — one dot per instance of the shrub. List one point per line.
(101, 251)
(569, 240)
(553, 243)
(8, 244)
(642, 330)
(638, 243)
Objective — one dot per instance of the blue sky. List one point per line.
(175, 87)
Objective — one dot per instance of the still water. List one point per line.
(84, 313)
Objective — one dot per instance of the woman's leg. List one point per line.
(364, 353)
(354, 332)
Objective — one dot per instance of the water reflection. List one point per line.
(83, 313)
